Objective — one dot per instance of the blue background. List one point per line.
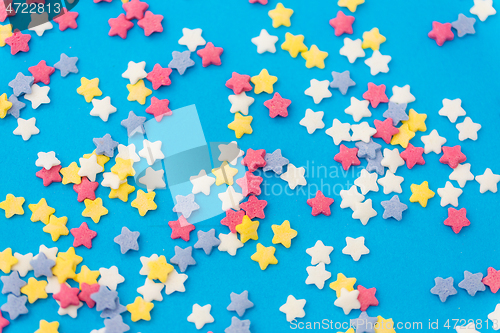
(405, 256)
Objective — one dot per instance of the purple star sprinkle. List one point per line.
(443, 288)
(393, 208)
(105, 145)
(127, 240)
(183, 258)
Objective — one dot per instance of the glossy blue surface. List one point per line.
(405, 256)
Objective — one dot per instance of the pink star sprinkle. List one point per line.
(67, 296)
(87, 290)
(457, 219)
(83, 236)
(347, 156)
(50, 176)
(342, 23)
(441, 32)
(159, 108)
(320, 204)
(254, 159)
(18, 42)
(232, 219)
(119, 26)
(253, 208)
(413, 155)
(66, 20)
(135, 9)
(159, 76)
(385, 130)
(151, 23)
(262, 2)
(250, 184)
(41, 72)
(181, 228)
(210, 55)
(239, 83)
(375, 94)
(366, 297)
(452, 156)
(278, 106)
(86, 189)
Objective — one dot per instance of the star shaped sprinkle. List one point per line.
(412, 156)
(462, 174)
(67, 296)
(396, 112)
(86, 189)
(183, 258)
(102, 108)
(352, 49)
(135, 9)
(393, 208)
(320, 204)
(441, 32)
(83, 236)
(352, 5)
(468, 130)
(159, 269)
(159, 76)
(230, 199)
(119, 26)
(358, 109)
(355, 247)
(116, 324)
(342, 282)
(240, 103)
(457, 219)
(452, 109)
(140, 309)
(488, 180)
(293, 308)
(275, 162)
(133, 124)
(5, 30)
(151, 23)
(135, 71)
(403, 137)
(421, 193)
(342, 23)
(5, 105)
(385, 130)
(42, 266)
(281, 16)
(449, 195)
(283, 234)
(367, 297)
(250, 184)
(15, 108)
(472, 283)
(265, 42)
(264, 256)
(247, 229)
(347, 157)
(12, 284)
(416, 121)
(294, 176)
(206, 241)
(175, 282)
(38, 96)
(452, 156)
(200, 315)
(433, 143)
(378, 63)
(464, 25)
(12, 205)
(66, 19)
(104, 298)
(314, 57)
(15, 306)
(56, 227)
(342, 81)
(201, 183)
(181, 61)
(151, 291)
(105, 145)
(127, 240)
(339, 132)
(240, 303)
(21, 84)
(144, 202)
(18, 42)
(375, 94)
(110, 277)
(230, 152)
(372, 39)
(50, 176)
(253, 208)
(294, 44)
(210, 55)
(46, 327)
(312, 121)
(367, 182)
(241, 125)
(239, 83)
(47, 160)
(89, 89)
(39, 22)
(66, 65)
(181, 228)
(348, 300)
(229, 243)
(351, 197)
(319, 253)
(443, 288)
(363, 322)
(192, 38)
(317, 275)
(318, 90)
(138, 92)
(374, 164)
(483, 9)
(263, 82)
(492, 280)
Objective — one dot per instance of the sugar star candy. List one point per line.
(441, 32)
(320, 204)
(443, 288)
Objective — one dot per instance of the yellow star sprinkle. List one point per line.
(71, 256)
(421, 193)
(70, 174)
(264, 256)
(94, 209)
(283, 234)
(140, 309)
(34, 290)
(86, 276)
(159, 269)
(138, 92)
(46, 327)
(5, 105)
(294, 44)
(241, 125)
(224, 174)
(343, 282)
(7, 260)
(123, 168)
(350, 330)
(416, 121)
(12, 205)
(101, 159)
(89, 89)
(384, 325)
(372, 39)
(144, 202)
(63, 270)
(264, 82)
(247, 229)
(281, 16)
(41, 211)
(122, 192)
(56, 227)
(314, 57)
(350, 4)
(5, 32)
(403, 137)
